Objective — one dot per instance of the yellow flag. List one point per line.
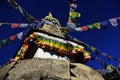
(92, 49)
(74, 14)
(97, 25)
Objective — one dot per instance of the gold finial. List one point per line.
(50, 14)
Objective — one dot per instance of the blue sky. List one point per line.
(91, 11)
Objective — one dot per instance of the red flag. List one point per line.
(71, 1)
(84, 28)
(118, 18)
(109, 57)
(12, 38)
(14, 25)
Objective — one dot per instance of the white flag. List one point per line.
(113, 22)
(20, 35)
(23, 25)
(0, 24)
(79, 29)
(71, 25)
(73, 7)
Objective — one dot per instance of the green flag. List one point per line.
(4, 41)
(0, 44)
(90, 26)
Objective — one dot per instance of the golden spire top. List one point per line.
(50, 15)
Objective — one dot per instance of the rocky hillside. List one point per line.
(48, 69)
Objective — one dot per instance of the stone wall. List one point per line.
(48, 69)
